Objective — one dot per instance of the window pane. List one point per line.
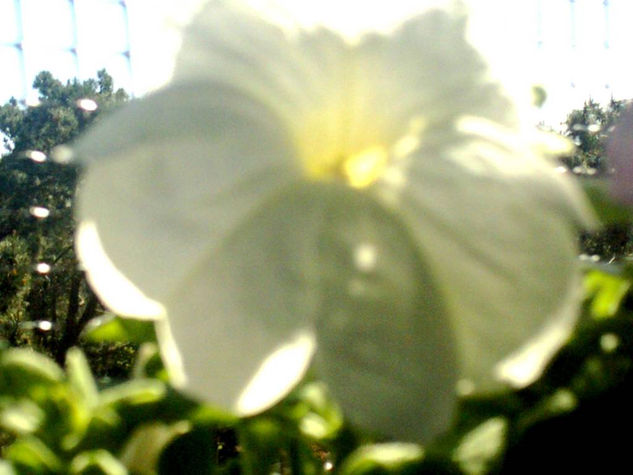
(9, 30)
(48, 24)
(12, 81)
(117, 66)
(101, 27)
(62, 64)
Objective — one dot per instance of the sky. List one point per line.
(576, 49)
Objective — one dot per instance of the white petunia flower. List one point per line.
(361, 197)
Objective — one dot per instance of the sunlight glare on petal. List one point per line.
(172, 359)
(527, 363)
(121, 295)
(365, 257)
(279, 372)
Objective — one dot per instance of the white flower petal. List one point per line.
(122, 295)
(427, 71)
(337, 98)
(386, 347)
(277, 374)
(243, 320)
(498, 228)
(230, 45)
(163, 186)
(351, 19)
(528, 361)
(477, 199)
(307, 80)
(170, 354)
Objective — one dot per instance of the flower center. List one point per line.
(357, 170)
(364, 168)
(331, 153)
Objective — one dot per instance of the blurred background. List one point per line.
(68, 38)
(76, 38)
(576, 49)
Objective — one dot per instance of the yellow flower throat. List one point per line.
(357, 170)
(332, 150)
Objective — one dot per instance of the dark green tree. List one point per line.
(589, 128)
(44, 298)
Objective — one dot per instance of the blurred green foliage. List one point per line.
(574, 418)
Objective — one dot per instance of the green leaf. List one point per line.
(30, 455)
(149, 363)
(142, 449)
(606, 292)
(482, 446)
(390, 458)
(106, 430)
(23, 371)
(80, 377)
(97, 462)
(109, 327)
(314, 411)
(21, 416)
(137, 392)
(563, 401)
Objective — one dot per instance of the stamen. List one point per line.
(365, 168)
